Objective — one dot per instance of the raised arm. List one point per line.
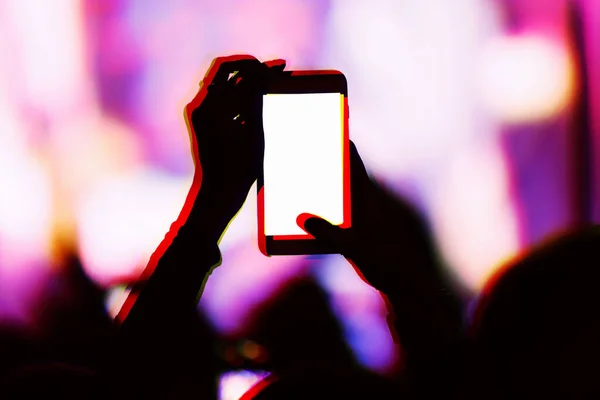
(160, 331)
(390, 247)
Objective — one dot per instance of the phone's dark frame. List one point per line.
(319, 81)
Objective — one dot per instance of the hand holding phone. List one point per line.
(225, 125)
(388, 241)
(306, 159)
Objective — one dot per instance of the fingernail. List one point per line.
(279, 63)
(302, 219)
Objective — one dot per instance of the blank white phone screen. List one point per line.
(303, 164)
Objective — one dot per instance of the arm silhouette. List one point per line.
(390, 247)
(160, 330)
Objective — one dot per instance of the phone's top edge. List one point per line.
(309, 81)
(315, 72)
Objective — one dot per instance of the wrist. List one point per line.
(210, 214)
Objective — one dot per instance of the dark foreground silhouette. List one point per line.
(534, 335)
(536, 332)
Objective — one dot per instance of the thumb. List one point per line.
(323, 230)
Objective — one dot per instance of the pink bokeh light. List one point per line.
(92, 134)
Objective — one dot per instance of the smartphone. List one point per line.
(306, 160)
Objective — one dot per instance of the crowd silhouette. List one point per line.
(533, 334)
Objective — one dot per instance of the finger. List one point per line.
(237, 84)
(222, 100)
(249, 84)
(276, 65)
(322, 230)
(219, 66)
(248, 75)
(253, 76)
(223, 67)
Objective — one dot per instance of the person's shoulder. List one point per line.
(568, 252)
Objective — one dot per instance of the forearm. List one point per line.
(179, 267)
(160, 331)
(426, 314)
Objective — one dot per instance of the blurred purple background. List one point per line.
(484, 113)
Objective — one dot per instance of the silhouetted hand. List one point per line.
(225, 121)
(389, 245)
(169, 348)
(387, 239)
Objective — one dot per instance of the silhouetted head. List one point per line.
(307, 351)
(54, 380)
(327, 385)
(17, 346)
(537, 329)
(72, 319)
(298, 328)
